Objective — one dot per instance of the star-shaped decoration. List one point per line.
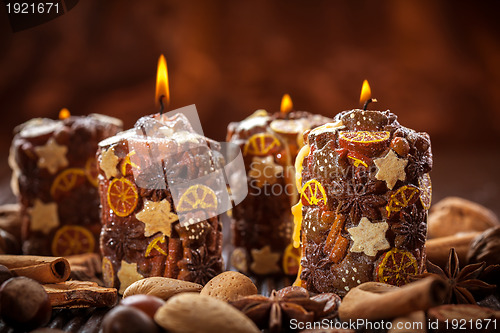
(157, 217)
(369, 237)
(265, 261)
(44, 216)
(128, 274)
(52, 156)
(390, 168)
(108, 163)
(264, 170)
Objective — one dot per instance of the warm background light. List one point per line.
(162, 88)
(286, 104)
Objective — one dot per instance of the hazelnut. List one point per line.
(400, 146)
(5, 274)
(146, 303)
(485, 247)
(24, 303)
(127, 319)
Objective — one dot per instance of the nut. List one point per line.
(192, 313)
(400, 146)
(25, 304)
(127, 319)
(146, 303)
(453, 215)
(228, 286)
(161, 287)
(485, 247)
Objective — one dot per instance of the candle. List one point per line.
(365, 191)
(55, 179)
(155, 222)
(262, 224)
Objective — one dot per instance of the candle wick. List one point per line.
(374, 100)
(162, 106)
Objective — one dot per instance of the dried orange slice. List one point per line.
(358, 159)
(425, 184)
(155, 245)
(122, 196)
(261, 144)
(291, 260)
(108, 274)
(91, 171)
(66, 181)
(366, 142)
(72, 239)
(396, 266)
(313, 193)
(128, 161)
(403, 197)
(197, 197)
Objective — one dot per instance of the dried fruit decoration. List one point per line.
(261, 144)
(66, 181)
(197, 197)
(72, 239)
(313, 193)
(122, 196)
(396, 267)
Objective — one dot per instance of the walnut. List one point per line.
(485, 247)
(453, 215)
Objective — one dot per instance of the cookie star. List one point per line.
(108, 163)
(390, 168)
(157, 217)
(127, 275)
(369, 237)
(265, 261)
(264, 170)
(52, 156)
(44, 216)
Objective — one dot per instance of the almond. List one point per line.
(228, 286)
(193, 313)
(161, 287)
(453, 215)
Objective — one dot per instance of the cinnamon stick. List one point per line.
(77, 294)
(438, 249)
(375, 301)
(41, 269)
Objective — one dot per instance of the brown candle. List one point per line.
(55, 179)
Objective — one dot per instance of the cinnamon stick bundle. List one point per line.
(375, 301)
(41, 269)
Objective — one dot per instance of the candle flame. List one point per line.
(162, 88)
(286, 104)
(366, 93)
(64, 113)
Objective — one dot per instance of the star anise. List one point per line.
(276, 311)
(463, 282)
(418, 164)
(360, 198)
(124, 241)
(314, 266)
(152, 183)
(199, 266)
(410, 229)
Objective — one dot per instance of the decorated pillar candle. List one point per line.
(55, 179)
(141, 233)
(262, 224)
(365, 191)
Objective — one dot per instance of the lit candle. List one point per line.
(365, 191)
(143, 207)
(262, 224)
(55, 179)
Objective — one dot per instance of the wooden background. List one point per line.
(434, 63)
